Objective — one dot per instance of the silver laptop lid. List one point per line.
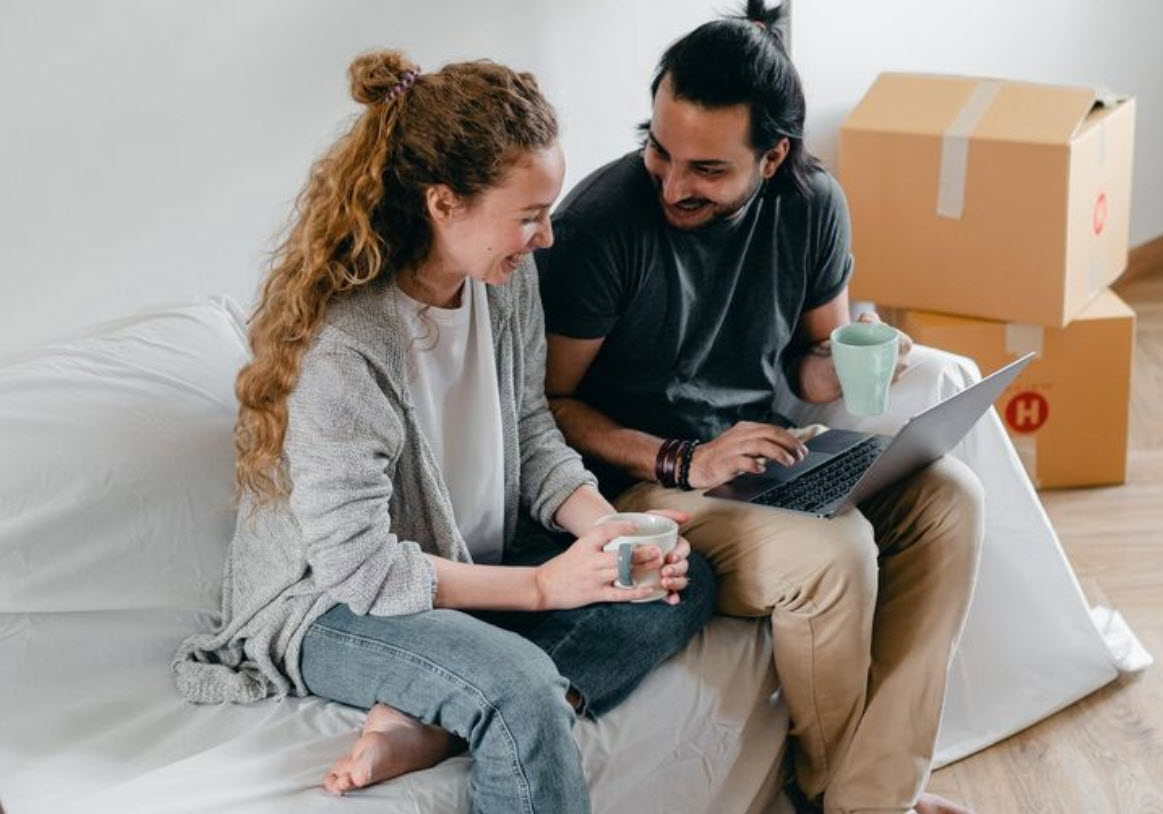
(930, 434)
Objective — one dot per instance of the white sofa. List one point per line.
(115, 513)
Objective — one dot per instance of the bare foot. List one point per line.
(391, 744)
(932, 804)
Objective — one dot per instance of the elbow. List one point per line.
(558, 405)
(565, 412)
(384, 578)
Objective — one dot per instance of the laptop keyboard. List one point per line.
(827, 482)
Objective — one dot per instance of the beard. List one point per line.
(698, 213)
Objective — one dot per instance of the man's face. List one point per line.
(701, 159)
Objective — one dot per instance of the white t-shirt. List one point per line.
(452, 373)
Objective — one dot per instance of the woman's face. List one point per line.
(488, 237)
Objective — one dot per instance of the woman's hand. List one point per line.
(584, 573)
(674, 567)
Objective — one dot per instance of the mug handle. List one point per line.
(625, 560)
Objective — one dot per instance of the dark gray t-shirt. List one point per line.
(700, 325)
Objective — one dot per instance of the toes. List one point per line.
(360, 776)
(331, 783)
(371, 750)
(339, 779)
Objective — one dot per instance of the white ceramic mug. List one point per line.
(649, 529)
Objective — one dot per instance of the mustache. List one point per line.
(687, 203)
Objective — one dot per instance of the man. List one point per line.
(688, 283)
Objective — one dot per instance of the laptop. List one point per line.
(842, 468)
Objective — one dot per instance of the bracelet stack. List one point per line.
(672, 466)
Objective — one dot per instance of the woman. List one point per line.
(391, 423)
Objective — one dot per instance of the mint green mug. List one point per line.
(865, 356)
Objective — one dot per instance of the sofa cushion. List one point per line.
(117, 463)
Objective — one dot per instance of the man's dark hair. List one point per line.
(742, 60)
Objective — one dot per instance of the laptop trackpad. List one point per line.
(834, 441)
(778, 473)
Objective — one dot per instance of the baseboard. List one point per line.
(1144, 260)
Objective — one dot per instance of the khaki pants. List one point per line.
(866, 610)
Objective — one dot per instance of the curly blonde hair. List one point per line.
(362, 214)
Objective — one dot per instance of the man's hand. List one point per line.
(818, 381)
(746, 447)
(906, 343)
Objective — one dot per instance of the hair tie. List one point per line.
(398, 89)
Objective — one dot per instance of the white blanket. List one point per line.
(1029, 647)
(115, 510)
(90, 722)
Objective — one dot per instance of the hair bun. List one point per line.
(756, 11)
(374, 74)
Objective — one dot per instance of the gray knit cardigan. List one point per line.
(367, 498)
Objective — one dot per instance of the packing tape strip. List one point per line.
(955, 148)
(1023, 339)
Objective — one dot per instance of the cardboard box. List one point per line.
(1067, 413)
(987, 198)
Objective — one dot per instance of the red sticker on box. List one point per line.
(1027, 412)
(1100, 212)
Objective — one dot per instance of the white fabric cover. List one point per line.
(1029, 647)
(115, 511)
(90, 722)
(115, 514)
(117, 463)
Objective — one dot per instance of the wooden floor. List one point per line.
(1104, 755)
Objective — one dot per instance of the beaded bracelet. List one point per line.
(684, 474)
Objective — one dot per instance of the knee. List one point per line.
(523, 695)
(955, 502)
(538, 695)
(953, 483)
(670, 627)
(524, 676)
(655, 631)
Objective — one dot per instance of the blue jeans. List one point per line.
(499, 680)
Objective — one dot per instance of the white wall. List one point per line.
(840, 46)
(150, 149)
